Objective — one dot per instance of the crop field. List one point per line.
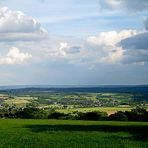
(17, 101)
(20, 133)
(108, 110)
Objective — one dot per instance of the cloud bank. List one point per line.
(111, 47)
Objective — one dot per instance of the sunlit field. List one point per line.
(108, 110)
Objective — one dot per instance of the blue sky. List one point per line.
(77, 18)
(73, 42)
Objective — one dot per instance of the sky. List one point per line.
(73, 42)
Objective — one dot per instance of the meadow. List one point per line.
(31, 133)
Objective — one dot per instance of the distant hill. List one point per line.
(97, 89)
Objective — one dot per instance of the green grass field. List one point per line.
(19, 133)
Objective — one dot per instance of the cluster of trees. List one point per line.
(137, 114)
(24, 113)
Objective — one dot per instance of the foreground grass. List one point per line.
(17, 133)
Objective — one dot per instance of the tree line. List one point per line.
(30, 112)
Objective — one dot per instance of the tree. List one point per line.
(118, 116)
(94, 115)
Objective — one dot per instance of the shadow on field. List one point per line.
(137, 132)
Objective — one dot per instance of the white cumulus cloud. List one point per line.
(111, 38)
(107, 43)
(15, 25)
(14, 56)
